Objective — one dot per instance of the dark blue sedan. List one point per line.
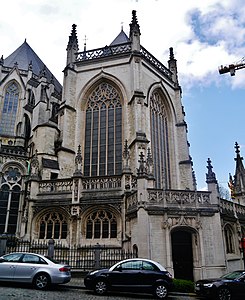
(135, 275)
(227, 287)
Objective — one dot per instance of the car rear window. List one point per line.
(53, 260)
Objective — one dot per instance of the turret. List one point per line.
(72, 46)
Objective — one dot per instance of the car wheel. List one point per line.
(100, 287)
(224, 294)
(160, 291)
(41, 281)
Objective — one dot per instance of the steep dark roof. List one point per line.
(23, 56)
(120, 39)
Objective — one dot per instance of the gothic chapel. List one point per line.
(104, 159)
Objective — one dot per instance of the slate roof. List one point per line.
(120, 39)
(23, 56)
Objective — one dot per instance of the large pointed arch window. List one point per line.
(159, 141)
(9, 110)
(103, 132)
(10, 193)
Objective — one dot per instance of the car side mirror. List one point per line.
(2, 259)
(119, 269)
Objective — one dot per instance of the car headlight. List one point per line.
(208, 285)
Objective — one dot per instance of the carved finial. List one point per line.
(210, 176)
(194, 179)
(149, 163)
(142, 168)
(73, 41)
(171, 53)
(126, 157)
(237, 147)
(134, 26)
(35, 166)
(78, 162)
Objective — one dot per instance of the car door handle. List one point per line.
(12, 267)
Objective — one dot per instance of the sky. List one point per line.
(204, 34)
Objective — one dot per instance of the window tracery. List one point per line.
(9, 110)
(53, 225)
(9, 199)
(159, 140)
(101, 225)
(103, 132)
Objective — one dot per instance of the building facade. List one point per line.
(105, 159)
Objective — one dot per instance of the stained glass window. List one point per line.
(9, 110)
(101, 224)
(159, 141)
(10, 192)
(103, 132)
(53, 225)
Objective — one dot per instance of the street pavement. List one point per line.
(73, 290)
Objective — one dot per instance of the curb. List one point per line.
(82, 287)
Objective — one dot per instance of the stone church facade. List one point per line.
(105, 159)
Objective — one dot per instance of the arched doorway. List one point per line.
(182, 254)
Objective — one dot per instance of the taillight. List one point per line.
(64, 269)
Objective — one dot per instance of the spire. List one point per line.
(239, 177)
(134, 32)
(72, 46)
(73, 41)
(172, 65)
(134, 26)
(210, 176)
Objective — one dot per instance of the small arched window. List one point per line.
(9, 110)
(229, 239)
(52, 225)
(101, 225)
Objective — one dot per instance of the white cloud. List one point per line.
(204, 34)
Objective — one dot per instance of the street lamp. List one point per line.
(243, 249)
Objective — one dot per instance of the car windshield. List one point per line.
(233, 275)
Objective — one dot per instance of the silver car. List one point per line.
(39, 270)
